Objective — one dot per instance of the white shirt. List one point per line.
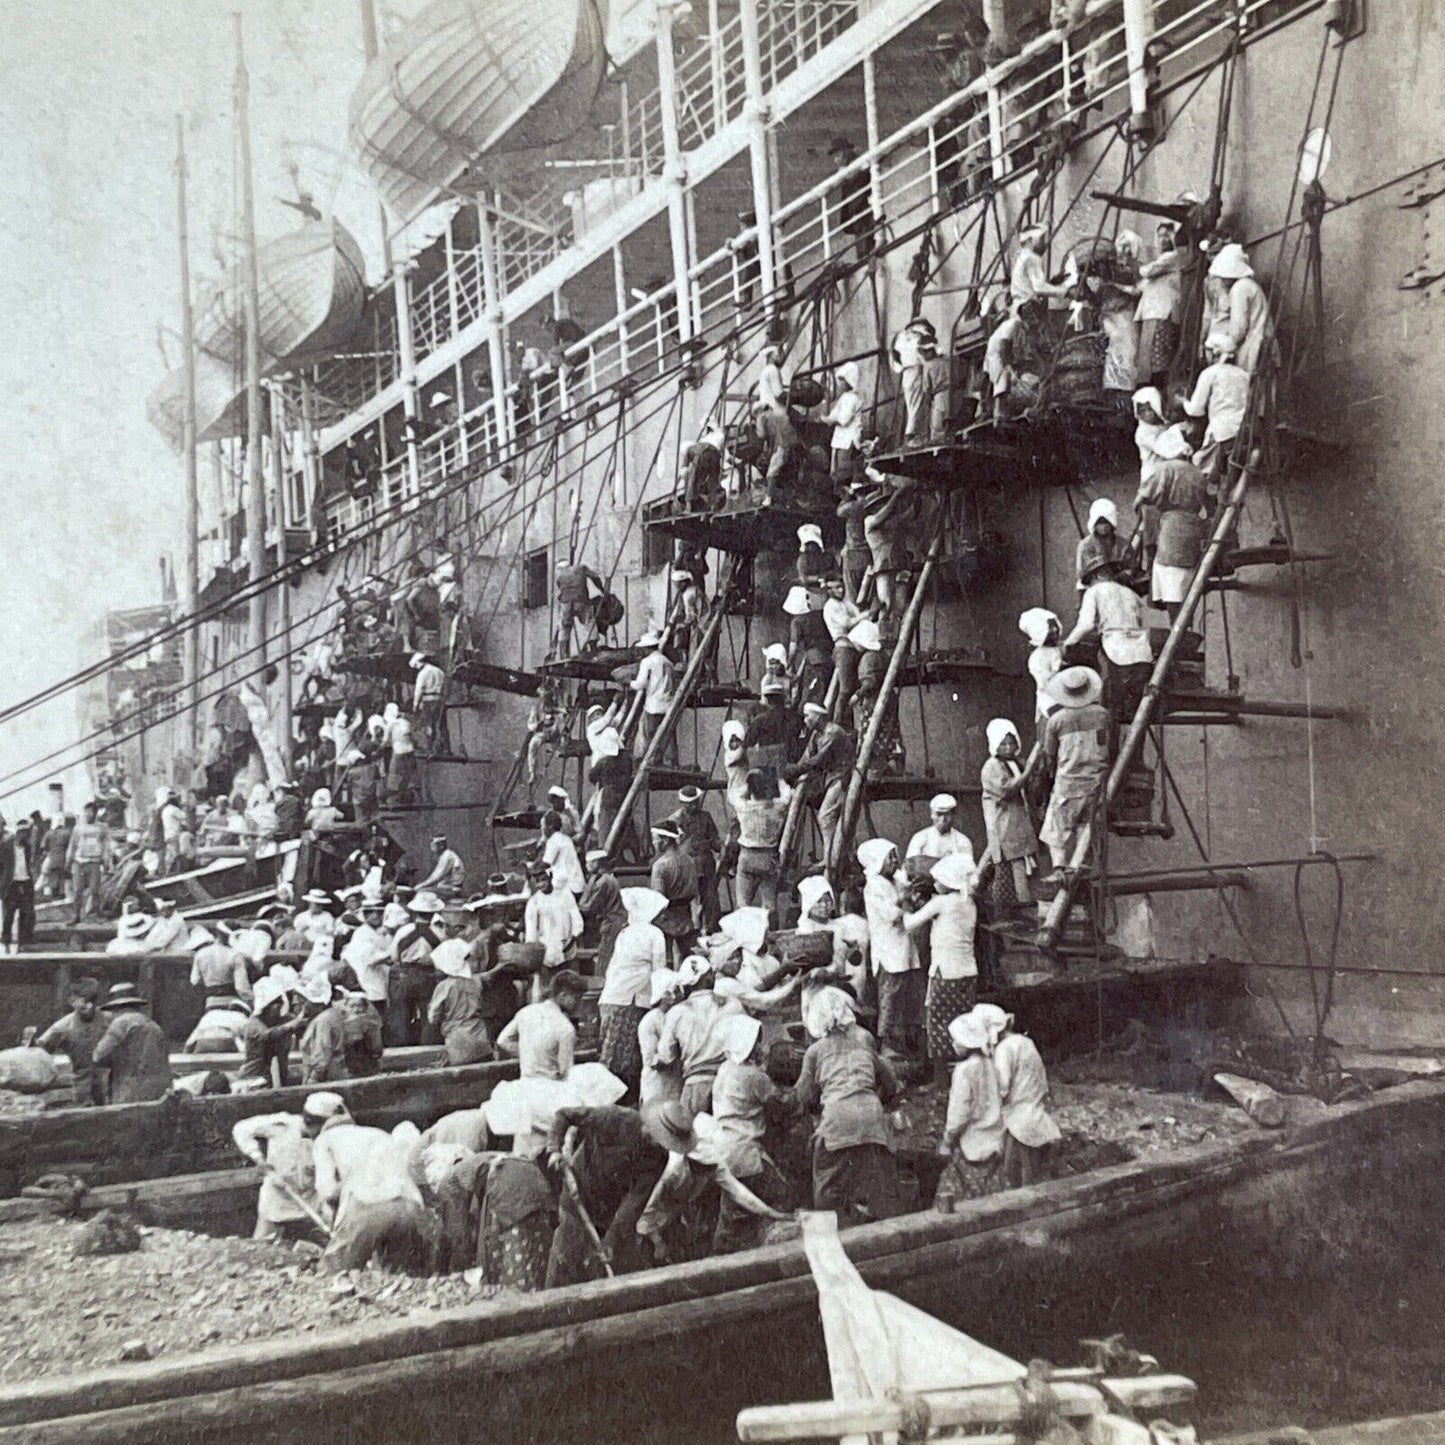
(891, 947)
(167, 934)
(656, 680)
(639, 951)
(847, 418)
(839, 614)
(22, 863)
(368, 951)
(431, 681)
(357, 1165)
(930, 843)
(552, 920)
(1117, 615)
(559, 853)
(312, 926)
(280, 1140)
(1221, 394)
(543, 1039)
(1024, 1085)
(254, 943)
(950, 939)
(1027, 277)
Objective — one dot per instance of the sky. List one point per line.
(89, 282)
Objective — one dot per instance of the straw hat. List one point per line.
(124, 995)
(426, 902)
(1074, 687)
(134, 925)
(318, 896)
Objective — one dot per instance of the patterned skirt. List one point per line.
(517, 1256)
(947, 998)
(962, 1181)
(618, 1047)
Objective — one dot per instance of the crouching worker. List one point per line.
(1029, 1129)
(281, 1146)
(608, 1166)
(972, 1143)
(365, 1189)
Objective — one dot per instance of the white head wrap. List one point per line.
(738, 1035)
(1149, 395)
(748, 926)
(849, 372)
(827, 1011)
(811, 889)
(998, 729)
(1102, 509)
(810, 532)
(643, 904)
(1035, 624)
(874, 854)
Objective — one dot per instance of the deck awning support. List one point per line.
(757, 117)
(676, 170)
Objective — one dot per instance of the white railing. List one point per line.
(938, 162)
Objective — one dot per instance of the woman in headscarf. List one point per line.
(896, 967)
(819, 914)
(1161, 300)
(261, 812)
(846, 418)
(851, 1084)
(688, 1039)
(322, 814)
(401, 770)
(1158, 443)
(1173, 499)
(1029, 1129)
(1117, 306)
(659, 1082)
(1246, 316)
(952, 968)
(639, 952)
(972, 1143)
(742, 1095)
(1013, 845)
(1043, 630)
(1101, 538)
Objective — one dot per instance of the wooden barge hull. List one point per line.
(671, 1354)
(182, 1134)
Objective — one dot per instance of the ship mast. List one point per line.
(251, 308)
(188, 439)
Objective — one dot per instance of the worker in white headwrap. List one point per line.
(1101, 537)
(972, 1142)
(897, 970)
(1043, 630)
(1029, 1128)
(1222, 396)
(1011, 856)
(819, 913)
(1246, 316)
(950, 917)
(846, 418)
(852, 1085)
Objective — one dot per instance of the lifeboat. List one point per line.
(311, 294)
(473, 91)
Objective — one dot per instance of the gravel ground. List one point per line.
(181, 1292)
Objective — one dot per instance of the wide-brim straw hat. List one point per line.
(1075, 687)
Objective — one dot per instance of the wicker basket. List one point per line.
(522, 957)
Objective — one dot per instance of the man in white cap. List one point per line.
(551, 917)
(429, 703)
(656, 682)
(824, 768)
(774, 736)
(448, 876)
(701, 841)
(281, 1144)
(560, 801)
(674, 875)
(684, 617)
(316, 920)
(941, 838)
(409, 988)
(368, 953)
(810, 647)
(1029, 284)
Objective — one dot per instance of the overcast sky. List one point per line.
(88, 278)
